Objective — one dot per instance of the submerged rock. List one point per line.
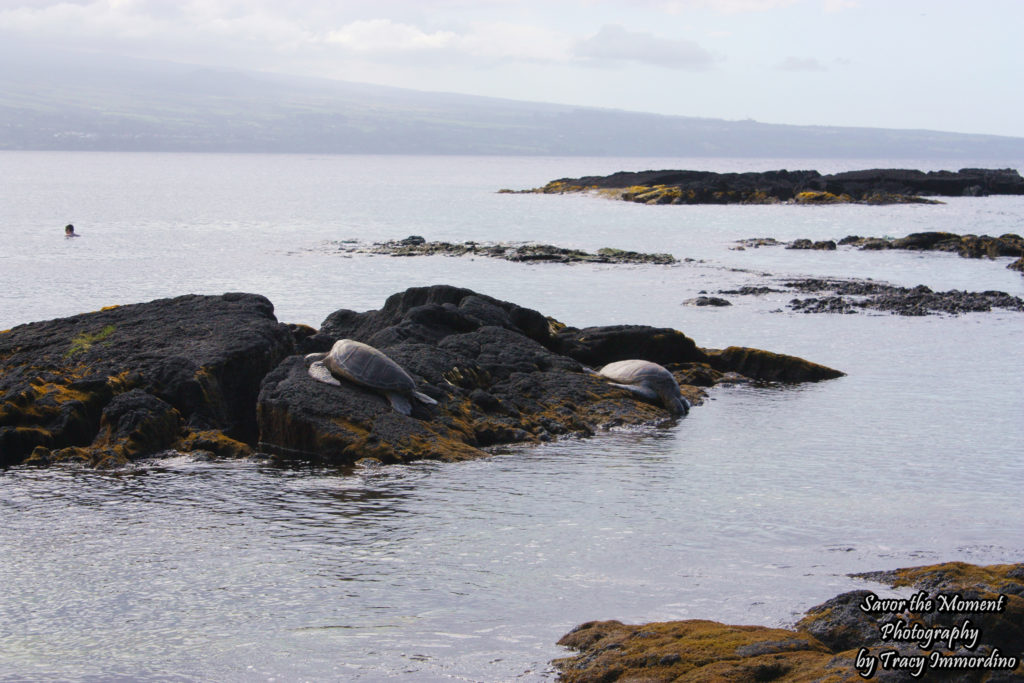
(716, 301)
(835, 641)
(107, 387)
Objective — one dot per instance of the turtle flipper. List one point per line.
(399, 403)
(319, 372)
(639, 390)
(423, 398)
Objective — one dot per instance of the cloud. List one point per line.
(384, 35)
(488, 41)
(613, 43)
(840, 5)
(519, 42)
(801, 64)
(725, 6)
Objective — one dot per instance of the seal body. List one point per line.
(366, 366)
(649, 381)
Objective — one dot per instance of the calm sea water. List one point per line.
(750, 510)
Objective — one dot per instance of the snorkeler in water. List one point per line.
(69, 231)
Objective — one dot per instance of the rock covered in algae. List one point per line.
(872, 186)
(833, 643)
(219, 374)
(501, 373)
(111, 386)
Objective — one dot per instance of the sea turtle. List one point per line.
(647, 380)
(366, 366)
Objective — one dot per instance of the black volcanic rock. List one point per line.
(833, 642)
(518, 252)
(851, 296)
(220, 374)
(500, 373)
(874, 186)
(127, 381)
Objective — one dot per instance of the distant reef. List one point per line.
(520, 252)
(875, 186)
(861, 296)
(967, 246)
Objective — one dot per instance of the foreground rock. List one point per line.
(837, 641)
(520, 252)
(500, 373)
(220, 374)
(108, 387)
(875, 186)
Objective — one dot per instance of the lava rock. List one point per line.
(826, 645)
(500, 373)
(707, 301)
(128, 381)
(872, 186)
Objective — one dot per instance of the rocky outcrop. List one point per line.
(220, 374)
(500, 373)
(767, 366)
(108, 387)
(875, 186)
(968, 246)
(703, 300)
(852, 296)
(519, 252)
(858, 296)
(822, 245)
(836, 641)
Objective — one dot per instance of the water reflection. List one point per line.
(750, 509)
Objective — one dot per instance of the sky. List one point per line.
(944, 65)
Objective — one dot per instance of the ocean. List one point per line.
(750, 510)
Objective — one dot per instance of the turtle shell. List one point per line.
(365, 365)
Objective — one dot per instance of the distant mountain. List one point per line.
(54, 101)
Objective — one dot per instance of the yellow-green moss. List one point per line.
(956, 573)
(438, 448)
(214, 441)
(681, 650)
(84, 341)
(821, 197)
(559, 187)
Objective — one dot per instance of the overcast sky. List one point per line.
(944, 65)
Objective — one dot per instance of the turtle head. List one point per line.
(674, 401)
(678, 406)
(314, 357)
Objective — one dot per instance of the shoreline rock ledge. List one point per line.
(221, 374)
(872, 186)
(838, 641)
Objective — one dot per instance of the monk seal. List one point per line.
(649, 381)
(366, 366)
